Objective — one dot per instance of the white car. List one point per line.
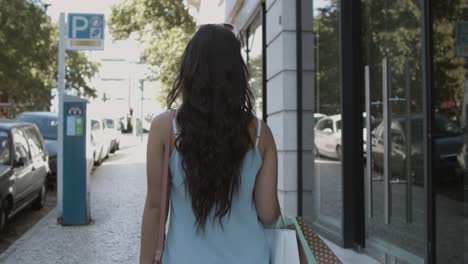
(99, 141)
(328, 136)
(112, 131)
(318, 117)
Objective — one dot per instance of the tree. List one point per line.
(256, 78)
(79, 71)
(327, 45)
(393, 30)
(28, 57)
(165, 26)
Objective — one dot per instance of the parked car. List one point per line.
(47, 123)
(447, 142)
(328, 136)
(23, 169)
(112, 130)
(318, 117)
(99, 141)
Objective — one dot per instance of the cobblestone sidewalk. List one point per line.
(118, 189)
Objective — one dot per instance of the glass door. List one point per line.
(393, 132)
(450, 109)
(323, 207)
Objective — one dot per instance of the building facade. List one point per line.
(367, 103)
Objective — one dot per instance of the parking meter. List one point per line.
(76, 162)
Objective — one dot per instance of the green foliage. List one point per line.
(164, 26)
(166, 52)
(79, 71)
(255, 71)
(28, 57)
(393, 31)
(327, 40)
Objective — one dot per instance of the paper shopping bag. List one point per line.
(283, 246)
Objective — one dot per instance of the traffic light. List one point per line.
(131, 111)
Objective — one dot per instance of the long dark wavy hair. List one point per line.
(214, 116)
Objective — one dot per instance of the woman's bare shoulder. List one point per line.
(160, 126)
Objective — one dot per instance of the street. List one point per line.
(25, 220)
(117, 200)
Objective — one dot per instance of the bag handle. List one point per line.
(164, 193)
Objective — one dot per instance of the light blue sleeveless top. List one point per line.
(241, 239)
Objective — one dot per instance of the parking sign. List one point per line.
(85, 31)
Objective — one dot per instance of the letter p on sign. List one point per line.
(79, 23)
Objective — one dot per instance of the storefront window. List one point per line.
(450, 32)
(253, 55)
(325, 209)
(394, 141)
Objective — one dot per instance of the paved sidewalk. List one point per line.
(117, 198)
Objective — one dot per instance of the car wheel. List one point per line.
(316, 152)
(338, 152)
(40, 201)
(99, 161)
(375, 165)
(3, 216)
(113, 149)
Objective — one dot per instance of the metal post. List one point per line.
(61, 88)
(142, 87)
(264, 64)
(409, 176)
(129, 92)
(387, 142)
(299, 104)
(317, 69)
(368, 143)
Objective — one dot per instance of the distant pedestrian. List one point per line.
(223, 161)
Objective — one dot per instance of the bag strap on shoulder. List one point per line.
(164, 206)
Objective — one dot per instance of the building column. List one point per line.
(282, 97)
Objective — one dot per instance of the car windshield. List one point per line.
(95, 125)
(416, 129)
(445, 127)
(109, 123)
(4, 148)
(47, 125)
(339, 123)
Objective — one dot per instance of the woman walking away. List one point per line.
(223, 161)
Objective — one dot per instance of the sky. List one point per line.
(91, 6)
(130, 50)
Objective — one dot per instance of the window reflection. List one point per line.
(449, 126)
(325, 208)
(253, 55)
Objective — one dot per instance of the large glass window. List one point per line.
(47, 125)
(325, 209)
(393, 137)
(450, 36)
(252, 40)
